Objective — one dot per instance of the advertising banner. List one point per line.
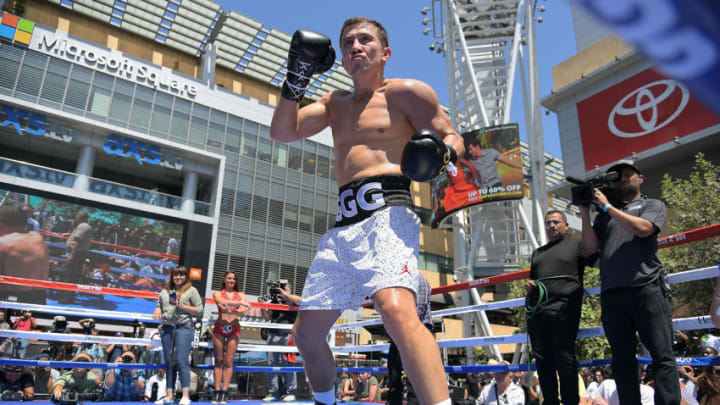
(91, 248)
(491, 170)
(639, 113)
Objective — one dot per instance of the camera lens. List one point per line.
(127, 358)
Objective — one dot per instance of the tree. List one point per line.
(692, 203)
(16, 7)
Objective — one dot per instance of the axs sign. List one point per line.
(142, 152)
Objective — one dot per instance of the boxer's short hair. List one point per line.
(382, 32)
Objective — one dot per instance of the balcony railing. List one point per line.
(66, 179)
(38, 173)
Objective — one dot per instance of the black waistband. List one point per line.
(360, 198)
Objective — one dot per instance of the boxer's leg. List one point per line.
(418, 348)
(309, 332)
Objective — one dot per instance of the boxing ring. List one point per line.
(681, 324)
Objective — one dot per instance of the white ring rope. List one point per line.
(691, 323)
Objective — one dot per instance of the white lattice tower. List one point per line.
(483, 46)
(479, 37)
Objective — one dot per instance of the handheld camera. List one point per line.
(582, 193)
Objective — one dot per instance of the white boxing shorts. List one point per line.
(373, 250)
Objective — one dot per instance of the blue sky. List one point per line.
(411, 56)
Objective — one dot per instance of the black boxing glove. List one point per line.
(310, 53)
(426, 156)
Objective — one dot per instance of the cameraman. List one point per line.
(124, 384)
(78, 380)
(58, 349)
(17, 384)
(280, 293)
(635, 296)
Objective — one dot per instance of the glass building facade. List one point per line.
(277, 199)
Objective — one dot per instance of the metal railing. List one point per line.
(61, 178)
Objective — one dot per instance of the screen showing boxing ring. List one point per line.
(63, 252)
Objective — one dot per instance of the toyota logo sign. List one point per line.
(642, 105)
(635, 115)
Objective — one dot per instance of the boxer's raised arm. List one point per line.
(310, 53)
(291, 123)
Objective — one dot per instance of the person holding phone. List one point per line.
(178, 302)
(26, 322)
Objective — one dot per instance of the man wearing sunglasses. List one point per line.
(17, 384)
(553, 305)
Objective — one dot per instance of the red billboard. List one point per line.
(639, 113)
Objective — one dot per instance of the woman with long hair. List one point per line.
(179, 301)
(231, 303)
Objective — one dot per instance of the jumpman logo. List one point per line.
(405, 270)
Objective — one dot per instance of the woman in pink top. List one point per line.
(231, 303)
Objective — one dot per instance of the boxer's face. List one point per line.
(362, 49)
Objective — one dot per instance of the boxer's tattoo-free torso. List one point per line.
(369, 134)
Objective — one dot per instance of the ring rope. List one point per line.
(691, 323)
(110, 254)
(681, 361)
(690, 275)
(119, 270)
(114, 246)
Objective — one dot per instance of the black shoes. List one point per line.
(220, 397)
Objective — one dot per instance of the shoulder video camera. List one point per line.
(582, 193)
(59, 324)
(274, 287)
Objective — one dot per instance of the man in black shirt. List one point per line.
(554, 301)
(635, 294)
(281, 337)
(472, 386)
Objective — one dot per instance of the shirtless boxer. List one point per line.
(22, 254)
(373, 249)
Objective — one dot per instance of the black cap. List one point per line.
(623, 163)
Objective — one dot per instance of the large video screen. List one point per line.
(491, 170)
(70, 254)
